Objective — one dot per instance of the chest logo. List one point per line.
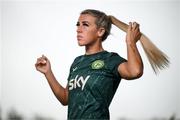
(98, 64)
(78, 82)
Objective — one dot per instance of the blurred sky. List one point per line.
(31, 28)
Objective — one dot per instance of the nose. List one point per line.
(79, 29)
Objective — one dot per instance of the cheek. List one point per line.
(87, 39)
(91, 35)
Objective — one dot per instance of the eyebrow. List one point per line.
(87, 22)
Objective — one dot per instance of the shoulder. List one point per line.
(113, 56)
(77, 59)
(113, 60)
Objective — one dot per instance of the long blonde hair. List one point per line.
(158, 59)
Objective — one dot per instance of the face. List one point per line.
(87, 31)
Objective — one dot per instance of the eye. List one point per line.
(85, 24)
(77, 24)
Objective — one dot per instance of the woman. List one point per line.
(95, 76)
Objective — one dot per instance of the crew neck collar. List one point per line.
(94, 54)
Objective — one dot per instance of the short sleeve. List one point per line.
(114, 61)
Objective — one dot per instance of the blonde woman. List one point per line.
(94, 77)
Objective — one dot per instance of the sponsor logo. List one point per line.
(98, 64)
(78, 82)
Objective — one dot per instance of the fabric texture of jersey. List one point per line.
(92, 83)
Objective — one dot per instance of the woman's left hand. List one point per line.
(133, 33)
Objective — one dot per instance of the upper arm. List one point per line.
(128, 73)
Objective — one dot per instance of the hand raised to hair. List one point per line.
(133, 33)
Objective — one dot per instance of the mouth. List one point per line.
(79, 37)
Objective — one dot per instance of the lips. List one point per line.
(79, 37)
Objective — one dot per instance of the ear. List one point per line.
(101, 31)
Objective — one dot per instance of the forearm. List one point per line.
(133, 68)
(60, 92)
(134, 62)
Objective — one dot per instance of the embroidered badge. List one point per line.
(98, 64)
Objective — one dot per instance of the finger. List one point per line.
(38, 60)
(44, 57)
(135, 25)
(130, 26)
(41, 61)
(37, 64)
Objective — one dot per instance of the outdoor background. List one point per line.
(30, 28)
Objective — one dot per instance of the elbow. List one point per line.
(131, 72)
(63, 98)
(137, 73)
(64, 103)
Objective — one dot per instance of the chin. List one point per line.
(81, 43)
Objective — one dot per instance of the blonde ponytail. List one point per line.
(156, 57)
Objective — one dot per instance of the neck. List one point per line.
(94, 49)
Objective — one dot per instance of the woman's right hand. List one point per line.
(43, 65)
